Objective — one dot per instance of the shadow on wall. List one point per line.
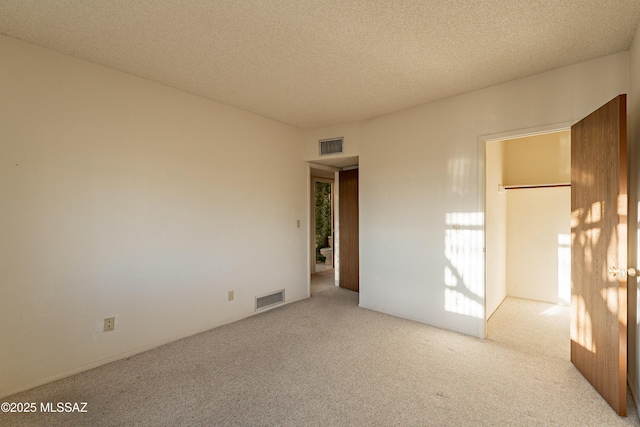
(464, 269)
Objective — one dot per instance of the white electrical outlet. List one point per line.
(109, 324)
(230, 296)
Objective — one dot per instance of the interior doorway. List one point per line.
(323, 270)
(323, 189)
(527, 208)
(323, 215)
(600, 266)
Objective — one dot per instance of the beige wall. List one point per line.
(495, 226)
(539, 244)
(538, 159)
(421, 188)
(121, 197)
(538, 218)
(351, 145)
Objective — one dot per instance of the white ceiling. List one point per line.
(311, 63)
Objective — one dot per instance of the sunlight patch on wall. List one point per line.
(458, 171)
(450, 278)
(463, 275)
(564, 268)
(457, 302)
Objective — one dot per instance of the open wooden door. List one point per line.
(349, 233)
(599, 250)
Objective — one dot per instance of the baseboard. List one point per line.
(497, 307)
(139, 350)
(474, 334)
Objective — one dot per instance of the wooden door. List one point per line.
(599, 250)
(349, 235)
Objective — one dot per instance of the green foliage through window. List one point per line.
(323, 217)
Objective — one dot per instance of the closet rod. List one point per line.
(520, 187)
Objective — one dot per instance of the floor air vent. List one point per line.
(331, 146)
(269, 300)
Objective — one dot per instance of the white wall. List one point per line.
(351, 144)
(495, 226)
(536, 260)
(430, 175)
(538, 159)
(421, 231)
(539, 244)
(121, 197)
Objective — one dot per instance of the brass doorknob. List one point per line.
(614, 271)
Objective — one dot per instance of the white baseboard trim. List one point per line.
(65, 374)
(474, 334)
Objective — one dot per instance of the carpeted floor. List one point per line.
(325, 362)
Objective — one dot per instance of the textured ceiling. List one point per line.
(313, 63)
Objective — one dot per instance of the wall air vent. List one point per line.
(331, 146)
(269, 300)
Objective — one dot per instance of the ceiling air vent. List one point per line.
(331, 146)
(269, 300)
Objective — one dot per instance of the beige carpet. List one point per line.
(325, 362)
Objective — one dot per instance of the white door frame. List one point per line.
(311, 223)
(482, 190)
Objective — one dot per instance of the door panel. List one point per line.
(599, 243)
(349, 234)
